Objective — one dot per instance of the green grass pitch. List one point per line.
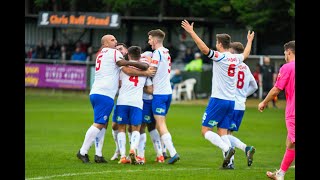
(56, 123)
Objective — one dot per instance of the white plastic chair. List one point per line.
(186, 87)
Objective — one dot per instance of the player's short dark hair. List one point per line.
(157, 33)
(134, 52)
(237, 47)
(224, 39)
(290, 45)
(123, 44)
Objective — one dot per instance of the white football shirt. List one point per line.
(161, 81)
(147, 96)
(131, 90)
(106, 76)
(243, 79)
(223, 74)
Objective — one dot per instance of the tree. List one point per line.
(265, 15)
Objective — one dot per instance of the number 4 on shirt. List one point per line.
(134, 79)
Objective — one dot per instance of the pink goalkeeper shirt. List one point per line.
(286, 81)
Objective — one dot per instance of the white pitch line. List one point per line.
(113, 171)
(57, 110)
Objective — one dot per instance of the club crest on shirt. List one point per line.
(216, 54)
(233, 125)
(212, 122)
(147, 118)
(159, 110)
(119, 118)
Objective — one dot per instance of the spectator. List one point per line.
(91, 56)
(54, 51)
(268, 79)
(188, 56)
(63, 53)
(173, 51)
(41, 51)
(31, 53)
(195, 64)
(78, 55)
(176, 78)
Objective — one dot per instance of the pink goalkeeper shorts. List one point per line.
(291, 125)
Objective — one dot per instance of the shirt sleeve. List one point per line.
(117, 56)
(253, 86)
(282, 78)
(148, 82)
(215, 55)
(155, 58)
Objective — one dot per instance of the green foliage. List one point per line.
(123, 5)
(40, 3)
(264, 13)
(292, 9)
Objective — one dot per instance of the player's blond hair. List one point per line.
(158, 33)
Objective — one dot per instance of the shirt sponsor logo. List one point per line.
(119, 118)
(154, 62)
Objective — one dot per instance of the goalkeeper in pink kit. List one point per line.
(285, 81)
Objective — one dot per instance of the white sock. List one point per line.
(115, 138)
(91, 134)
(226, 140)
(99, 142)
(142, 145)
(135, 138)
(237, 143)
(281, 172)
(122, 143)
(163, 146)
(155, 136)
(167, 140)
(215, 139)
(231, 160)
(129, 137)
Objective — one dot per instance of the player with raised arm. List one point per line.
(162, 91)
(219, 111)
(245, 86)
(102, 93)
(128, 110)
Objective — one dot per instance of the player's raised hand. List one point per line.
(186, 26)
(250, 36)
